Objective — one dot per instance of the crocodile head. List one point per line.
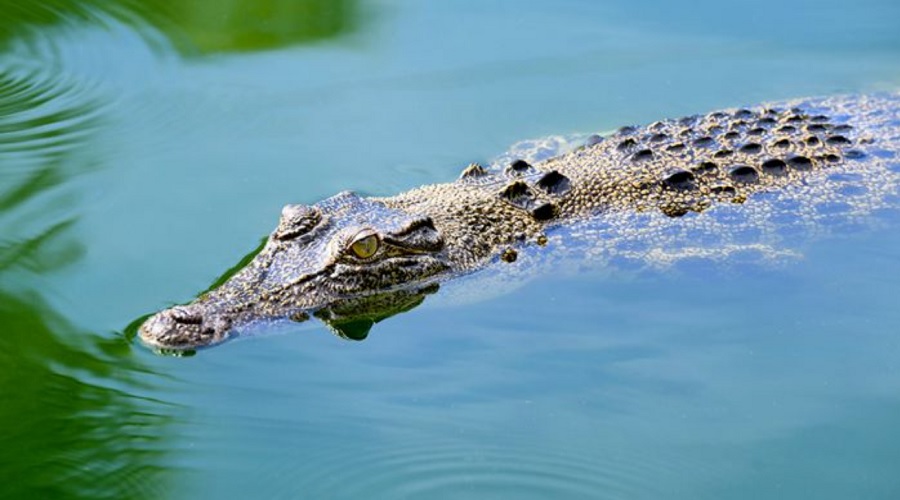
(338, 250)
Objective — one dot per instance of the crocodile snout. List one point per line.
(185, 327)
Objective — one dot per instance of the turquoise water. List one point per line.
(146, 146)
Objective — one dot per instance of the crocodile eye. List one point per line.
(365, 244)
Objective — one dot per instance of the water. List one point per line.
(146, 146)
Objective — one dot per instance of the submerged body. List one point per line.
(350, 257)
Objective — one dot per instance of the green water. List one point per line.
(147, 145)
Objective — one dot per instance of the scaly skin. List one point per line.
(434, 232)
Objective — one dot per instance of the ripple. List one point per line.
(45, 117)
(49, 116)
(62, 81)
(437, 470)
(468, 468)
(44, 112)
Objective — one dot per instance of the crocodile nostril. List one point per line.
(185, 327)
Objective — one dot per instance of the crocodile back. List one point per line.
(739, 185)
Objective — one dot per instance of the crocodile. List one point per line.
(352, 260)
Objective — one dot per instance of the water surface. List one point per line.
(147, 145)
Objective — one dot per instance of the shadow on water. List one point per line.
(353, 319)
(199, 25)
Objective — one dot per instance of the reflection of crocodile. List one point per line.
(350, 253)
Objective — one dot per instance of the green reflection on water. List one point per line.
(74, 407)
(243, 25)
(199, 25)
(72, 425)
